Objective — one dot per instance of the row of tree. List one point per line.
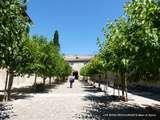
(21, 54)
(45, 60)
(132, 45)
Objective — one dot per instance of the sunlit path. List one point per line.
(61, 103)
(79, 102)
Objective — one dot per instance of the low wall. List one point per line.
(19, 81)
(151, 86)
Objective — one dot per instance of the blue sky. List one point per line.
(79, 22)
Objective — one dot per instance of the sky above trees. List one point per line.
(79, 22)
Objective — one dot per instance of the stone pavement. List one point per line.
(77, 103)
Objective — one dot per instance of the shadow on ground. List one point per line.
(5, 111)
(89, 88)
(145, 91)
(28, 91)
(112, 108)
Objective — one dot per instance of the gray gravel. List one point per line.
(82, 102)
(61, 103)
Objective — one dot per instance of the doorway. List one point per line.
(75, 74)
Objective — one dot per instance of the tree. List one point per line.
(94, 67)
(47, 61)
(56, 39)
(132, 45)
(14, 26)
(143, 19)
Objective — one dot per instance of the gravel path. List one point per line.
(61, 103)
(77, 103)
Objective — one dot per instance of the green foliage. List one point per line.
(63, 68)
(143, 19)
(132, 44)
(19, 53)
(56, 39)
(13, 26)
(95, 66)
(46, 59)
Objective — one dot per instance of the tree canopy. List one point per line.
(21, 54)
(56, 39)
(132, 43)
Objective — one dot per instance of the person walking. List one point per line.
(71, 80)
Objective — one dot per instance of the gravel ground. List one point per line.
(61, 103)
(82, 102)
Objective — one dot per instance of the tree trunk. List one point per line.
(125, 84)
(94, 84)
(5, 88)
(122, 84)
(50, 80)
(123, 91)
(99, 82)
(118, 81)
(106, 81)
(44, 80)
(57, 79)
(63, 79)
(35, 79)
(118, 92)
(114, 89)
(6, 82)
(11, 77)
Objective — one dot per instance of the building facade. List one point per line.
(77, 62)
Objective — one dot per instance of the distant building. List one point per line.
(77, 62)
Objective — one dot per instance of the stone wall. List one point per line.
(153, 86)
(19, 81)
